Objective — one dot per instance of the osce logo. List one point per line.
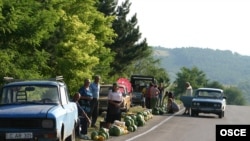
(239, 132)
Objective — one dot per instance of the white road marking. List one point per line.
(151, 129)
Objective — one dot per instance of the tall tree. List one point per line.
(78, 44)
(128, 45)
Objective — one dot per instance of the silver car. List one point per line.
(208, 100)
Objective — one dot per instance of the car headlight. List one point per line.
(196, 104)
(47, 123)
(217, 105)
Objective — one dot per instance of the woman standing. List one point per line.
(84, 101)
(189, 92)
(115, 99)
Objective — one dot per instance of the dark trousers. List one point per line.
(94, 110)
(82, 128)
(113, 113)
(148, 102)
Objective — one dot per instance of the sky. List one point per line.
(214, 24)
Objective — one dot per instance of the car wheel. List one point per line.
(193, 113)
(72, 137)
(221, 114)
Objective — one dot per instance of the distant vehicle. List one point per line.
(208, 100)
(103, 98)
(138, 83)
(37, 110)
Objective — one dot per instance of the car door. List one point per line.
(70, 114)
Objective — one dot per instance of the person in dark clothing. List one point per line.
(149, 95)
(172, 106)
(115, 99)
(84, 120)
(95, 89)
(85, 103)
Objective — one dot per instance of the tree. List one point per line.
(234, 96)
(79, 43)
(149, 66)
(127, 46)
(41, 39)
(198, 79)
(194, 76)
(215, 84)
(23, 26)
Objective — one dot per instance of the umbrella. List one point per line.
(125, 82)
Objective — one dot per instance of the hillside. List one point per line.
(225, 67)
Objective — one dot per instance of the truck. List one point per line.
(139, 82)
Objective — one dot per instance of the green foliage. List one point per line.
(234, 96)
(224, 67)
(43, 39)
(244, 87)
(194, 76)
(215, 84)
(198, 79)
(126, 47)
(149, 66)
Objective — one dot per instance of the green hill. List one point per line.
(225, 67)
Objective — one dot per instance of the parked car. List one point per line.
(208, 100)
(37, 110)
(139, 82)
(103, 99)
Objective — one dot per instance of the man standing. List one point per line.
(95, 89)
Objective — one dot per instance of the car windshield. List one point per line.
(208, 94)
(29, 94)
(104, 90)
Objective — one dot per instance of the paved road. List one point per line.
(177, 127)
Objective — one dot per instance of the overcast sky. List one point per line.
(215, 24)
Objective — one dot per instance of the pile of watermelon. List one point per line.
(117, 130)
(100, 135)
(139, 119)
(130, 123)
(159, 110)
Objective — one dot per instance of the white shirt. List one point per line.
(115, 96)
(189, 91)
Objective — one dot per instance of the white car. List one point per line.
(208, 100)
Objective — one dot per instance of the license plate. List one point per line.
(26, 135)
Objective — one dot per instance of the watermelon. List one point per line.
(94, 134)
